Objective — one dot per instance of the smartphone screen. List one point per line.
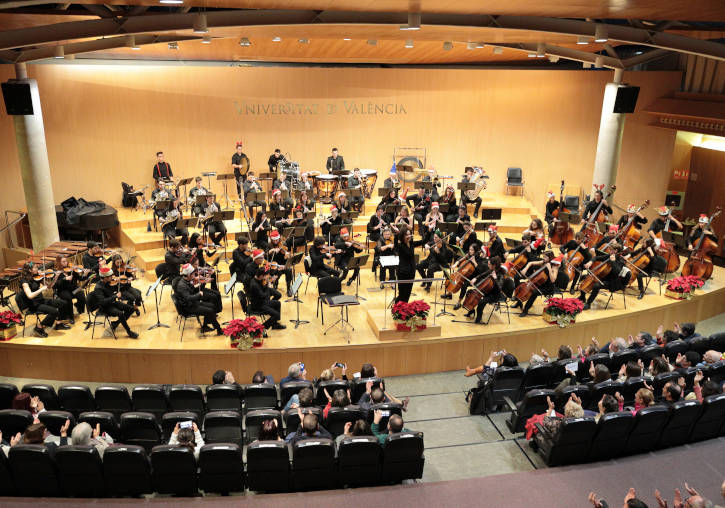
(185, 425)
(573, 366)
(302, 366)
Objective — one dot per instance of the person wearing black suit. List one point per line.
(318, 268)
(175, 257)
(439, 256)
(347, 249)
(405, 246)
(376, 224)
(265, 299)
(420, 203)
(197, 301)
(613, 281)
(108, 298)
(495, 245)
(240, 259)
(335, 162)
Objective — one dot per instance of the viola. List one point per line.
(699, 263)
(562, 231)
(473, 298)
(525, 290)
(629, 234)
(463, 272)
(591, 231)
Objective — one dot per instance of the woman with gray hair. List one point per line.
(83, 434)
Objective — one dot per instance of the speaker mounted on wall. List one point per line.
(626, 99)
(18, 100)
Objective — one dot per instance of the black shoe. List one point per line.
(61, 326)
(524, 313)
(447, 296)
(219, 331)
(40, 332)
(349, 282)
(137, 312)
(72, 321)
(641, 295)
(427, 289)
(475, 215)
(478, 321)
(517, 305)
(289, 292)
(587, 306)
(457, 306)
(469, 314)
(206, 328)
(278, 326)
(132, 335)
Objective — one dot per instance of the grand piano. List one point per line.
(93, 221)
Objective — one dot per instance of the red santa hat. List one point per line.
(631, 208)
(704, 219)
(275, 192)
(507, 266)
(537, 243)
(239, 143)
(257, 253)
(105, 271)
(493, 228)
(274, 235)
(333, 209)
(557, 260)
(434, 204)
(344, 232)
(187, 269)
(549, 195)
(613, 228)
(663, 210)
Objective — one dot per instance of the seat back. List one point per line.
(221, 468)
(173, 470)
(621, 358)
(571, 443)
(717, 372)
(186, 398)
(170, 419)
(330, 386)
(7, 488)
(80, 471)
(329, 285)
(76, 399)
(359, 459)
(46, 393)
(533, 402)
(506, 382)
(103, 418)
(254, 419)
(292, 388)
(581, 391)
(672, 349)
(611, 437)
(260, 396)
(127, 470)
(661, 380)
(514, 176)
(224, 398)
(701, 344)
(223, 427)
(34, 471)
(8, 391)
(387, 410)
(558, 373)
(717, 341)
(268, 466)
(537, 376)
(337, 417)
(403, 457)
(631, 386)
(683, 415)
(710, 421)
(650, 352)
(604, 388)
(313, 463)
(151, 399)
(596, 359)
(54, 420)
(571, 202)
(13, 421)
(114, 399)
(292, 417)
(647, 429)
(358, 387)
(140, 428)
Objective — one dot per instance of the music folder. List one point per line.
(230, 283)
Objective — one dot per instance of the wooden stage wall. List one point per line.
(104, 123)
(411, 357)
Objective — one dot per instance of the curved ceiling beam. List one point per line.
(184, 21)
(567, 53)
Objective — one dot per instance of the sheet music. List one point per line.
(230, 283)
(153, 287)
(387, 261)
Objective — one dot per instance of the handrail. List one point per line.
(8, 224)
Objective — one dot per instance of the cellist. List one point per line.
(656, 263)
(612, 282)
(550, 272)
(658, 225)
(478, 255)
(702, 228)
(528, 249)
(579, 242)
(498, 275)
(639, 219)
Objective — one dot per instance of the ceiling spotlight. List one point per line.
(553, 58)
(173, 2)
(599, 62)
(131, 42)
(470, 45)
(586, 65)
(413, 22)
(174, 45)
(244, 42)
(372, 42)
(206, 39)
(582, 39)
(409, 43)
(200, 24)
(532, 54)
(600, 34)
(303, 41)
(277, 39)
(58, 52)
(540, 50)
(498, 51)
(447, 46)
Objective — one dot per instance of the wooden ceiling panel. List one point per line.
(18, 21)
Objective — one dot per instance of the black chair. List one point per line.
(601, 389)
(187, 398)
(327, 289)
(716, 372)
(570, 444)
(387, 409)
(534, 402)
(80, 471)
(223, 427)
(358, 461)
(292, 418)
(13, 421)
(54, 420)
(710, 421)
(701, 345)
(683, 415)
(661, 380)
(313, 463)
(183, 316)
(403, 457)
(337, 417)
(717, 341)
(170, 419)
(330, 386)
(581, 391)
(46, 394)
(167, 274)
(260, 396)
(254, 419)
(224, 398)
(582, 372)
(571, 202)
(103, 418)
(114, 399)
(672, 349)
(507, 291)
(504, 383)
(34, 471)
(76, 399)
(630, 388)
(150, 399)
(514, 178)
(647, 429)
(293, 387)
(221, 468)
(268, 466)
(358, 387)
(8, 392)
(173, 470)
(621, 358)
(127, 471)
(536, 376)
(94, 310)
(7, 487)
(648, 353)
(140, 428)
(558, 373)
(25, 312)
(611, 436)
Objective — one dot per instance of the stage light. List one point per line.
(409, 43)
(58, 52)
(206, 39)
(582, 39)
(600, 34)
(172, 2)
(200, 24)
(532, 54)
(303, 41)
(173, 45)
(470, 45)
(540, 50)
(131, 42)
(413, 22)
(372, 42)
(498, 51)
(244, 42)
(277, 39)
(599, 62)
(447, 46)
(586, 65)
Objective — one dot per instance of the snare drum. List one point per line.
(370, 176)
(326, 186)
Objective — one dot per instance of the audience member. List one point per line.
(609, 404)
(503, 359)
(295, 372)
(83, 434)
(658, 365)
(340, 398)
(188, 437)
(684, 362)
(671, 393)
(329, 374)
(359, 428)
(304, 398)
(25, 402)
(368, 370)
(223, 377)
(630, 369)
(36, 433)
(269, 431)
(309, 428)
(395, 425)
(643, 398)
(599, 373)
(686, 331)
(259, 377)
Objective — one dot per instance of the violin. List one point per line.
(562, 231)
(630, 234)
(699, 263)
(46, 274)
(526, 289)
(591, 232)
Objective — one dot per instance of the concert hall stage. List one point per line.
(158, 356)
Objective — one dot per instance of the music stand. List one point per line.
(448, 227)
(393, 210)
(341, 173)
(444, 312)
(571, 218)
(208, 175)
(160, 206)
(490, 214)
(350, 215)
(444, 208)
(224, 177)
(309, 215)
(358, 262)
(343, 302)
(466, 186)
(221, 217)
(184, 182)
(427, 185)
(295, 290)
(255, 197)
(267, 176)
(386, 262)
(384, 191)
(153, 287)
(278, 214)
(229, 286)
(334, 231)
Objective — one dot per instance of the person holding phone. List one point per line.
(187, 434)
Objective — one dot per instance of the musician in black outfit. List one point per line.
(613, 281)
(216, 229)
(162, 169)
(449, 198)
(439, 256)
(108, 298)
(552, 204)
(275, 159)
(333, 220)
(392, 181)
(203, 257)
(702, 228)
(639, 219)
(67, 287)
(160, 194)
(460, 218)
(261, 226)
(376, 224)
(420, 203)
(354, 181)
(31, 299)
(660, 223)
(335, 162)
(385, 247)
(551, 271)
(468, 236)
(280, 186)
(405, 246)
(171, 221)
(606, 240)
(656, 263)
(390, 199)
(476, 254)
(347, 248)
(280, 255)
(175, 257)
(464, 199)
(129, 294)
(93, 257)
(528, 249)
(580, 242)
(318, 268)
(297, 222)
(492, 268)
(494, 247)
(240, 258)
(251, 185)
(265, 299)
(200, 190)
(592, 207)
(257, 260)
(238, 160)
(197, 301)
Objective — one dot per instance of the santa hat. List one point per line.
(341, 194)
(613, 228)
(239, 143)
(450, 187)
(333, 209)
(434, 204)
(344, 232)
(257, 253)
(493, 228)
(537, 243)
(631, 208)
(549, 195)
(663, 210)
(506, 267)
(187, 269)
(704, 219)
(274, 235)
(557, 260)
(276, 191)
(105, 272)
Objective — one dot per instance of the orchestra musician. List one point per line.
(306, 203)
(354, 181)
(318, 252)
(612, 282)
(67, 287)
(702, 228)
(283, 185)
(476, 254)
(420, 203)
(162, 169)
(298, 221)
(658, 225)
(536, 231)
(579, 242)
(333, 220)
(385, 247)
(435, 184)
(498, 274)
(261, 226)
(375, 226)
(279, 254)
(639, 219)
(439, 256)
(275, 159)
(494, 246)
(592, 207)
(468, 237)
(129, 294)
(32, 299)
(656, 263)
(251, 185)
(346, 249)
(608, 238)
(265, 299)
(207, 275)
(431, 221)
(176, 256)
(197, 190)
(403, 219)
(159, 194)
(335, 162)
(278, 205)
(343, 204)
(216, 229)
(239, 159)
(390, 199)
(449, 198)
(460, 218)
(392, 181)
(405, 247)
(93, 258)
(305, 183)
(108, 298)
(202, 258)
(547, 288)
(195, 300)
(552, 204)
(171, 220)
(257, 261)
(464, 199)
(529, 249)
(241, 256)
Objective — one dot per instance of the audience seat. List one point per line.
(581, 391)
(330, 386)
(647, 353)
(221, 469)
(717, 372)
(260, 396)
(54, 420)
(559, 370)
(672, 349)
(33, 470)
(150, 399)
(13, 421)
(700, 345)
(313, 463)
(268, 466)
(76, 399)
(80, 471)
(105, 419)
(337, 417)
(534, 402)
(683, 415)
(140, 428)
(599, 390)
(505, 382)
(630, 387)
(717, 341)
(536, 376)
(359, 386)
(403, 457)
(170, 419)
(621, 358)
(114, 399)
(359, 460)
(254, 419)
(570, 444)
(8, 391)
(224, 398)
(127, 471)
(223, 427)
(389, 409)
(711, 419)
(611, 436)
(187, 398)
(583, 370)
(293, 387)
(46, 393)
(292, 418)
(647, 429)
(173, 470)
(7, 488)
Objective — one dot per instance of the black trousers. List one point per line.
(206, 309)
(172, 232)
(405, 289)
(121, 311)
(217, 231)
(53, 308)
(420, 219)
(546, 290)
(427, 269)
(68, 296)
(485, 300)
(272, 309)
(342, 264)
(132, 296)
(287, 276)
(476, 201)
(357, 202)
(326, 272)
(598, 286)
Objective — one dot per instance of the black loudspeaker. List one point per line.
(17, 98)
(626, 99)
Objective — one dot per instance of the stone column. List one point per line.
(35, 168)
(609, 144)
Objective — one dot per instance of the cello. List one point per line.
(699, 263)
(630, 234)
(598, 271)
(464, 270)
(562, 231)
(591, 232)
(525, 290)
(639, 264)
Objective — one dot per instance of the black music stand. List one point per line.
(341, 173)
(309, 215)
(200, 199)
(393, 210)
(427, 185)
(255, 197)
(490, 214)
(229, 287)
(444, 208)
(350, 215)
(357, 192)
(384, 191)
(222, 216)
(160, 206)
(208, 175)
(248, 234)
(335, 231)
(291, 263)
(295, 232)
(448, 228)
(184, 182)
(571, 218)
(444, 312)
(295, 291)
(466, 186)
(358, 262)
(267, 176)
(278, 214)
(224, 178)
(153, 288)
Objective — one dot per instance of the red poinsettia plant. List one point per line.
(9, 318)
(244, 333)
(420, 308)
(684, 284)
(402, 311)
(563, 310)
(410, 315)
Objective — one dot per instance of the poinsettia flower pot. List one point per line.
(422, 324)
(677, 296)
(401, 325)
(8, 332)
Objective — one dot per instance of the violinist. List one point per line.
(251, 185)
(702, 228)
(171, 220)
(195, 300)
(579, 244)
(93, 257)
(265, 299)
(385, 247)
(468, 237)
(67, 287)
(552, 204)
(280, 255)
(241, 256)
(304, 202)
(656, 263)
(403, 219)
(215, 228)
(406, 265)
(439, 256)
(318, 252)
(176, 256)
(494, 270)
(612, 282)
(449, 198)
(390, 199)
(204, 275)
(239, 160)
(464, 199)
(31, 299)
(261, 226)
(333, 220)
(660, 223)
(299, 221)
(162, 169)
(129, 294)
(495, 245)
(639, 219)
(476, 254)
(536, 230)
(347, 248)
(592, 207)
(108, 298)
(548, 287)
(197, 190)
(459, 218)
(203, 258)
(431, 221)
(421, 206)
(354, 181)
(258, 261)
(376, 225)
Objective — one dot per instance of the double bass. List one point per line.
(667, 250)
(561, 232)
(699, 263)
(591, 231)
(630, 235)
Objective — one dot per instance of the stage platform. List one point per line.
(158, 356)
